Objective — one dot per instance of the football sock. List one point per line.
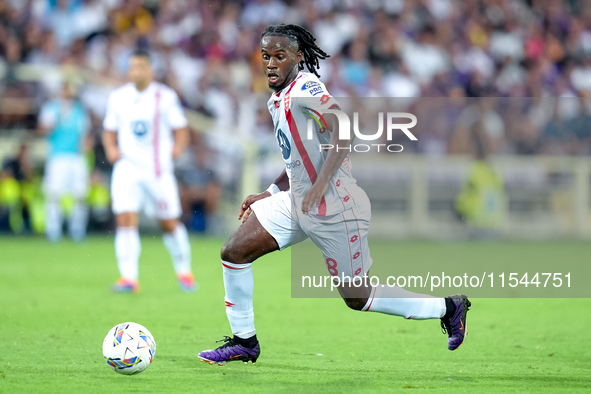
(127, 249)
(239, 285)
(248, 342)
(53, 228)
(400, 302)
(450, 308)
(179, 248)
(78, 221)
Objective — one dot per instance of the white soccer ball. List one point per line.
(129, 348)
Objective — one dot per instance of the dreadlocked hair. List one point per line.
(305, 42)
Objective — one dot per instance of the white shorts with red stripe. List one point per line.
(342, 237)
(135, 190)
(274, 214)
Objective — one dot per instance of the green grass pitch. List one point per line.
(55, 309)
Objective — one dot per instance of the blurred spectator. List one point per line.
(483, 116)
(482, 201)
(60, 20)
(580, 77)
(208, 51)
(14, 175)
(424, 58)
(19, 167)
(200, 191)
(99, 198)
(132, 15)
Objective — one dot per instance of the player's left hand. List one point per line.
(177, 150)
(314, 196)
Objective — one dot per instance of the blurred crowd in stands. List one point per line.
(208, 51)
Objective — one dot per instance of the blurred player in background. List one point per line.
(144, 131)
(66, 123)
(317, 198)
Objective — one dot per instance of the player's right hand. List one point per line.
(245, 210)
(113, 154)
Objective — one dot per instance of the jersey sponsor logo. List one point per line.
(314, 87)
(309, 84)
(283, 144)
(140, 127)
(316, 90)
(293, 164)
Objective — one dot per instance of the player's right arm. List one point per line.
(279, 185)
(110, 126)
(46, 119)
(110, 144)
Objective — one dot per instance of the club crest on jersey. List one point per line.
(283, 144)
(286, 102)
(313, 87)
(140, 127)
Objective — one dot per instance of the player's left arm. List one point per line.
(282, 182)
(333, 161)
(181, 140)
(86, 140)
(179, 125)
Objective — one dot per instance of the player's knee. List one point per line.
(126, 219)
(356, 304)
(168, 226)
(231, 253)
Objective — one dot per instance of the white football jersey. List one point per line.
(305, 99)
(144, 122)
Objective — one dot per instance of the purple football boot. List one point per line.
(230, 351)
(455, 326)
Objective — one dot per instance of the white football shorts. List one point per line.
(134, 190)
(342, 237)
(66, 174)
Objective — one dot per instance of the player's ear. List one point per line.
(299, 57)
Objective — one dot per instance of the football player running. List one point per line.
(315, 197)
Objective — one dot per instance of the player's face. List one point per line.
(280, 61)
(67, 93)
(140, 71)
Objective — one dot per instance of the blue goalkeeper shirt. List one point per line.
(68, 124)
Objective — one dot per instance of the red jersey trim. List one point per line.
(293, 129)
(300, 147)
(157, 135)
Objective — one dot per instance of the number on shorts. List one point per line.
(331, 264)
